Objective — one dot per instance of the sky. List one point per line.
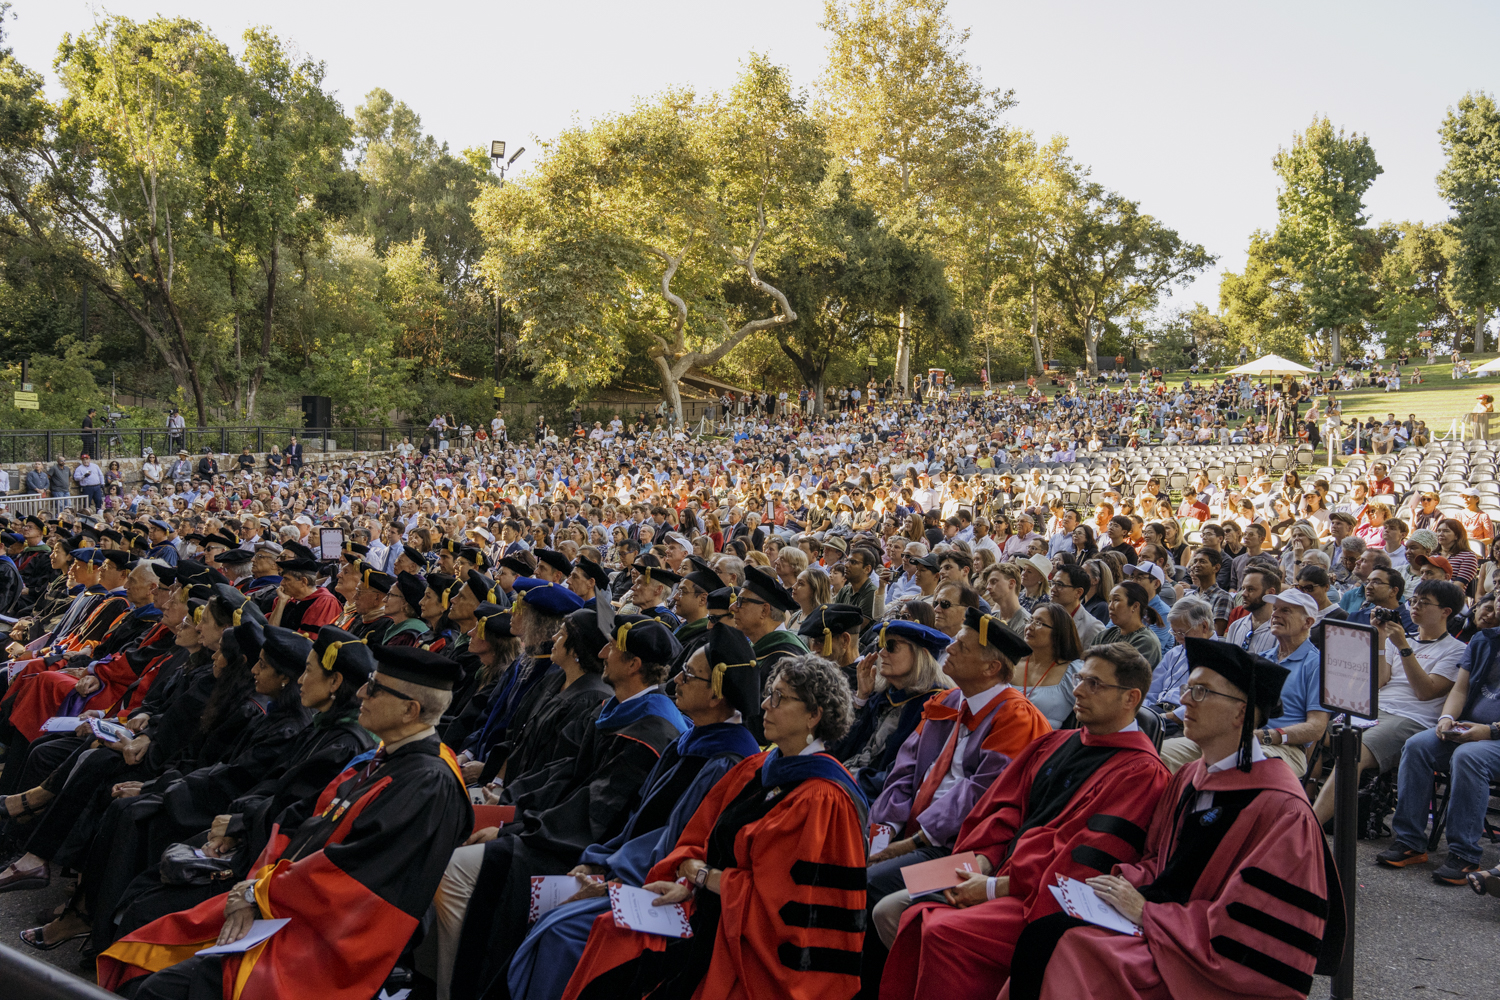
(1179, 106)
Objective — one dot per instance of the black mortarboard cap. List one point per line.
(765, 586)
(345, 653)
(285, 650)
(732, 673)
(996, 633)
(417, 666)
(1261, 680)
(828, 620)
(645, 637)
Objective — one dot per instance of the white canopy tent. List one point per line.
(1271, 364)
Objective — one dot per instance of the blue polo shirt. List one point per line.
(1300, 693)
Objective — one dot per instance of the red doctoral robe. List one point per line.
(1031, 827)
(1242, 900)
(46, 691)
(354, 877)
(791, 906)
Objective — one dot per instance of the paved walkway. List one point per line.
(1416, 938)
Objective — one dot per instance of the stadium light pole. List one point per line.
(498, 160)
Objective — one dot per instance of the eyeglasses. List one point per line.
(1307, 588)
(374, 688)
(1198, 693)
(682, 677)
(742, 601)
(944, 604)
(1036, 623)
(775, 698)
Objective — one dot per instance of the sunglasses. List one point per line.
(944, 604)
(375, 688)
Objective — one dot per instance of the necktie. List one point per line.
(930, 784)
(938, 771)
(376, 761)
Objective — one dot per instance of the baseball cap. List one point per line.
(1296, 598)
(1147, 566)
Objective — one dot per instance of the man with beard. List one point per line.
(1073, 803)
(1235, 893)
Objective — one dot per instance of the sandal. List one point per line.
(1485, 882)
(35, 937)
(26, 813)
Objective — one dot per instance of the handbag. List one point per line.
(183, 864)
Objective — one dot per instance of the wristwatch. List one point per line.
(250, 893)
(700, 879)
(1405, 651)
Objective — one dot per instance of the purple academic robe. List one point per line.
(996, 740)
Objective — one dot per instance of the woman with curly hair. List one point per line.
(779, 837)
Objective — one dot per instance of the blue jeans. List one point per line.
(1471, 766)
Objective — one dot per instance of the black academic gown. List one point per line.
(560, 810)
(554, 732)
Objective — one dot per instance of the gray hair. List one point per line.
(734, 564)
(1354, 545)
(821, 684)
(433, 702)
(1316, 557)
(1192, 612)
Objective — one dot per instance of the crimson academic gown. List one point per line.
(121, 674)
(1072, 804)
(354, 877)
(1242, 900)
(788, 921)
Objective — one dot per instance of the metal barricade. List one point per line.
(35, 503)
(33, 979)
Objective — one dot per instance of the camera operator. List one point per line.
(1383, 589)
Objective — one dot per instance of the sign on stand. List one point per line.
(1350, 683)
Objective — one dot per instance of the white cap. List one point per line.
(1296, 598)
(679, 538)
(1468, 491)
(1147, 566)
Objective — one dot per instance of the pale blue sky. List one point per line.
(1178, 105)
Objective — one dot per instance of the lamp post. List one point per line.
(498, 160)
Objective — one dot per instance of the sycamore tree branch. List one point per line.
(679, 323)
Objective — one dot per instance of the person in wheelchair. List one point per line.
(1465, 743)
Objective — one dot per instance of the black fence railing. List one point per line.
(34, 979)
(18, 447)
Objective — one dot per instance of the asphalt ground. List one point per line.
(1416, 939)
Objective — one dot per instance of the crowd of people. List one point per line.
(759, 678)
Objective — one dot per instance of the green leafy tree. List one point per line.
(908, 112)
(1115, 260)
(627, 233)
(1470, 181)
(1320, 228)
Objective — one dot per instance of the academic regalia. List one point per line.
(788, 833)
(689, 635)
(11, 585)
(123, 895)
(663, 614)
(996, 738)
(1242, 898)
(858, 751)
(411, 632)
(371, 630)
(37, 573)
(122, 660)
(1072, 804)
(49, 607)
(554, 732)
(560, 810)
(166, 552)
(688, 768)
(311, 613)
(355, 877)
(772, 648)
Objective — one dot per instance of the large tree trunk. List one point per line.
(1036, 343)
(1090, 347)
(1479, 335)
(267, 316)
(670, 391)
(1336, 345)
(903, 351)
